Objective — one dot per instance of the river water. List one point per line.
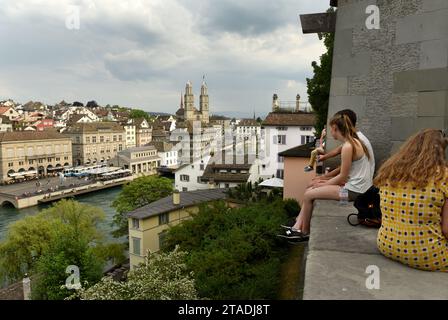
(102, 199)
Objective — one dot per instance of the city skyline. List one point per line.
(140, 54)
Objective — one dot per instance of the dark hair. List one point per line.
(349, 113)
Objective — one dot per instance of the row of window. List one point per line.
(39, 150)
(281, 139)
(21, 163)
(102, 139)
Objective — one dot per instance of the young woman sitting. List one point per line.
(414, 190)
(354, 174)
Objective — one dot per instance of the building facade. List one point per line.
(148, 225)
(96, 142)
(282, 131)
(140, 160)
(167, 153)
(25, 151)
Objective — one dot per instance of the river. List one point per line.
(102, 199)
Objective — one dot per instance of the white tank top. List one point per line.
(360, 177)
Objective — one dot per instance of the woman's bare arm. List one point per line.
(346, 164)
(331, 154)
(445, 219)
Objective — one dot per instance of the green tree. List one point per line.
(164, 276)
(319, 85)
(136, 194)
(233, 253)
(30, 238)
(136, 114)
(67, 249)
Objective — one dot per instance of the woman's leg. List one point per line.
(304, 218)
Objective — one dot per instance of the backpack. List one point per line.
(369, 210)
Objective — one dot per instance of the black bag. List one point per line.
(369, 210)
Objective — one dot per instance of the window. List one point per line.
(280, 159)
(227, 185)
(282, 128)
(21, 163)
(202, 167)
(306, 139)
(136, 246)
(184, 189)
(87, 139)
(11, 164)
(281, 139)
(115, 138)
(101, 139)
(94, 139)
(280, 174)
(120, 147)
(135, 224)
(184, 177)
(164, 218)
(31, 162)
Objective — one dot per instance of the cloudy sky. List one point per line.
(140, 53)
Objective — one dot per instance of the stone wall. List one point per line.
(394, 78)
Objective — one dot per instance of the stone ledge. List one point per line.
(339, 255)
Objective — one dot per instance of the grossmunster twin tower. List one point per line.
(188, 112)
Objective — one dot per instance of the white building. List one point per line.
(131, 136)
(78, 111)
(188, 176)
(9, 112)
(167, 154)
(5, 124)
(283, 131)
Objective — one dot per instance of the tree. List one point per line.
(319, 85)
(136, 114)
(164, 276)
(30, 238)
(233, 253)
(138, 193)
(92, 104)
(67, 249)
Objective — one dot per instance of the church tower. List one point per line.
(189, 102)
(204, 102)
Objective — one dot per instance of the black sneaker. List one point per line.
(308, 168)
(294, 235)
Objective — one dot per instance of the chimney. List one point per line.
(298, 103)
(275, 104)
(176, 197)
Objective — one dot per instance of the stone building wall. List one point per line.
(394, 78)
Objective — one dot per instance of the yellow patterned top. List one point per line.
(411, 230)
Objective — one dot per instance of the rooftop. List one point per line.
(303, 151)
(290, 119)
(30, 135)
(94, 127)
(187, 199)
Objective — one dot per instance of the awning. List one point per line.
(273, 183)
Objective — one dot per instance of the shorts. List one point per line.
(353, 195)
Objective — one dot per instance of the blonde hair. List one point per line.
(419, 159)
(348, 131)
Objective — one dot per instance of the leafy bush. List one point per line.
(234, 253)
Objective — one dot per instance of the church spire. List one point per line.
(181, 100)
